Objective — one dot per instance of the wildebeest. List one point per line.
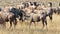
(26, 4)
(10, 14)
(5, 17)
(36, 16)
(29, 12)
(18, 13)
(49, 10)
(50, 13)
(57, 9)
(2, 22)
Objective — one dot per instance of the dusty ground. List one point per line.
(53, 27)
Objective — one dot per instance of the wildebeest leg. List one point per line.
(35, 25)
(21, 18)
(15, 22)
(46, 22)
(54, 11)
(10, 23)
(43, 22)
(50, 16)
(2, 22)
(11, 20)
(4, 25)
(58, 12)
(30, 24)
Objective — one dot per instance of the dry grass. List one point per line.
(53, 27)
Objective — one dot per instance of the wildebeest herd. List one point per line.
(32, 11)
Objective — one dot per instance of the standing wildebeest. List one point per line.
(36, 16)
(50, 13)
(11, 15)
(2, 22)
(49, 10)
(17, 13)
(5, 17)
(57, 9)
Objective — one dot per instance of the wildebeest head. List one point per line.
(50, 4)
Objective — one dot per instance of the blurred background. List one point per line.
(15, 2)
